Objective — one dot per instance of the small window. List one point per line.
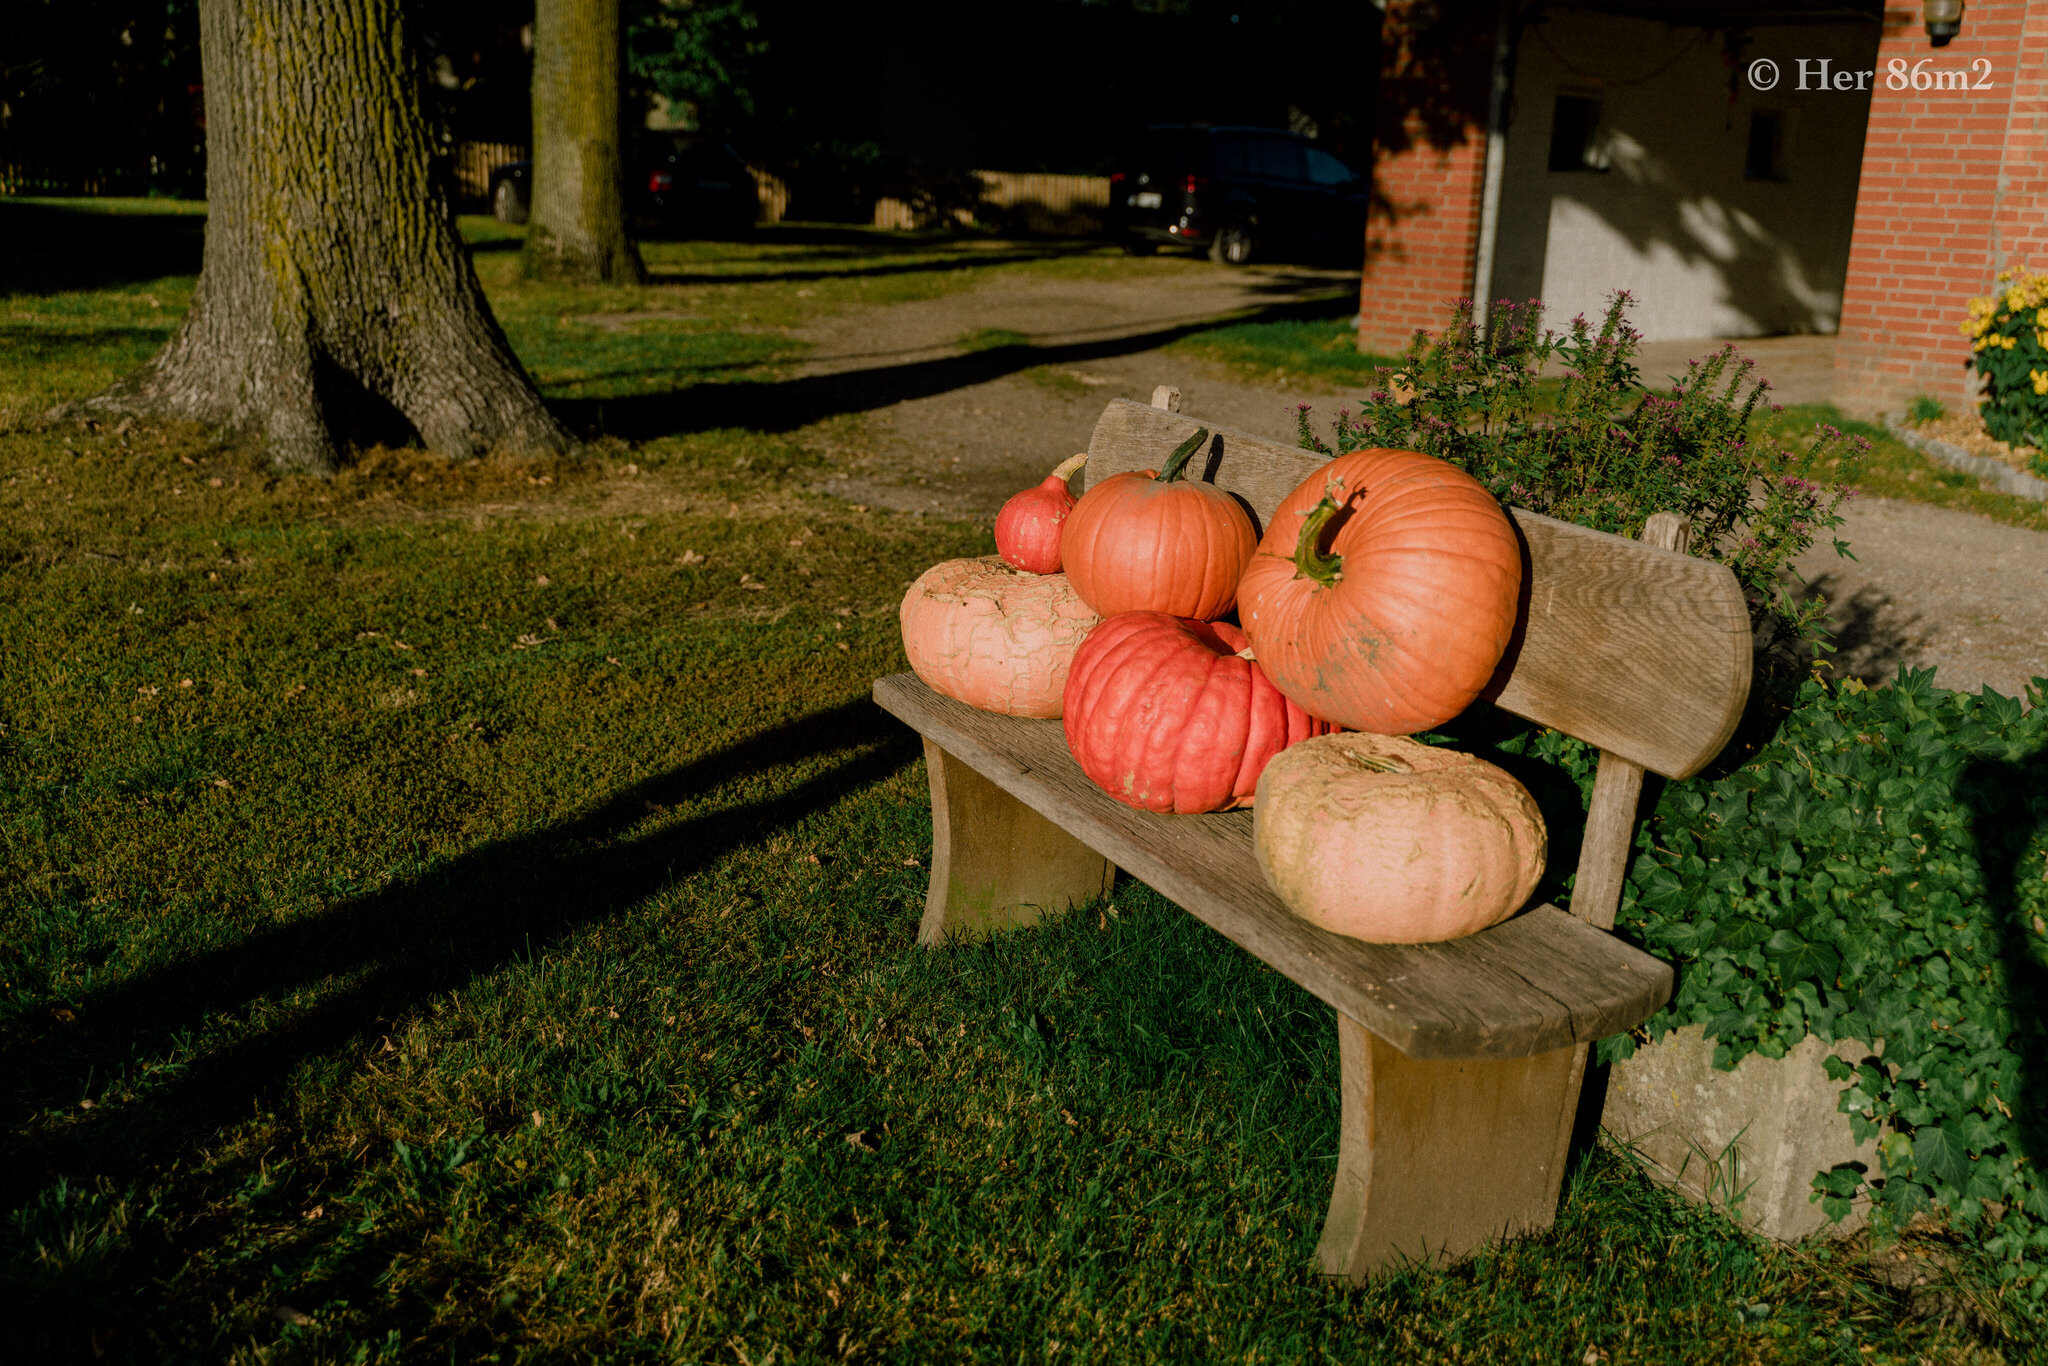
(1574, 134)
(1279, 159)
(1765, 157)
(1324, 169)
(1228, 155)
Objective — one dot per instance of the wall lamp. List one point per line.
(1944, 19)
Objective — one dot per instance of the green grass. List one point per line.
(1317, 352)
(467, 913)
(1895, 470)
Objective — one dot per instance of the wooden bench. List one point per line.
(1461, 1062)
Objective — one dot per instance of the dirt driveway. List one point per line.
(956, 425)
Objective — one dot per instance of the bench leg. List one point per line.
(996, 863)
(1439, 1157)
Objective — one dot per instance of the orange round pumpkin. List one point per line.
(1166, 714)
(1385, 839)
(1136, 543)
(993, 636)
(1384, 592)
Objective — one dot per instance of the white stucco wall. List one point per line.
(1705, 252)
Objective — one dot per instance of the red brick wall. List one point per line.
(1954, 189)
(1429, 167)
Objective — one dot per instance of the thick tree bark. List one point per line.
(576, 228)
(335, 302)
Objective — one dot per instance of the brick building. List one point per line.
(1743, 169)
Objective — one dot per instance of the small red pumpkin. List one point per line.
(1384, 592)
(1136, 543)
(1167, 714)
(1028, 527)
(994, 637)
(1384, 839)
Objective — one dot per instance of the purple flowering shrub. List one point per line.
(1597, 447)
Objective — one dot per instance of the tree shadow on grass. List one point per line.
(791, 404)
(52, 249)
(398, 949)
(2007, 802)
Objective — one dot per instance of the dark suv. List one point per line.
(679, 183)
(1238, 193)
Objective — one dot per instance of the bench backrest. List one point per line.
(1640, 651)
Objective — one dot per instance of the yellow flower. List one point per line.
(2008, 342)
(2040, 378)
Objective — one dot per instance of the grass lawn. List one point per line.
(465, 913)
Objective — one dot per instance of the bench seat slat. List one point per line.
(1538, 982)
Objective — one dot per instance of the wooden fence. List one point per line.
(470, 171)
(474, 161)
(1020, 201)
(1051, 205)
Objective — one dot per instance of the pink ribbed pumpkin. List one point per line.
(1165, 714)
(993, 636)
(1387, 840)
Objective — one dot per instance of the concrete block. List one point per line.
(1747, 1141)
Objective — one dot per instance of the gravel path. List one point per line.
(954, 432)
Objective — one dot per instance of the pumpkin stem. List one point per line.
(1310, 563)
(1177, 463)
(1377, 763)
(1065, 469)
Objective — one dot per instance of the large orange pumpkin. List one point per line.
(994, 636)
(1381, 838)
(1166, 714)
(1384, 592)
(1136, 543)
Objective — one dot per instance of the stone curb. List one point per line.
(1994, 473)
(1747, 1142)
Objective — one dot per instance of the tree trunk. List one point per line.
(335, 303)
(576, 230)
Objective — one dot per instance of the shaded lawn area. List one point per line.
(467, 912)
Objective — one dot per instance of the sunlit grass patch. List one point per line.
(1895, 470)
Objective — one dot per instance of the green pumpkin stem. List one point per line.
(1310, 563)
(1177, 463)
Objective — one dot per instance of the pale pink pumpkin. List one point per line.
(994, 636)
(1388, 840)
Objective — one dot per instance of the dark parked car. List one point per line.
(679, 184)
(1238, 193)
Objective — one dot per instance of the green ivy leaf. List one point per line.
(1939, 1154)
(1798, 959)
(1906, 1198)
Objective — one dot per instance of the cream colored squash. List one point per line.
(1387, 840)
(994, 636)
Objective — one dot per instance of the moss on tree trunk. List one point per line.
(336, 302)
(576, 229)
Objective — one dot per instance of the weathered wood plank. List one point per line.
(1641, 651)
(996, 863)
(1438, 1157)
(1538, 982)
(1617, 791)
